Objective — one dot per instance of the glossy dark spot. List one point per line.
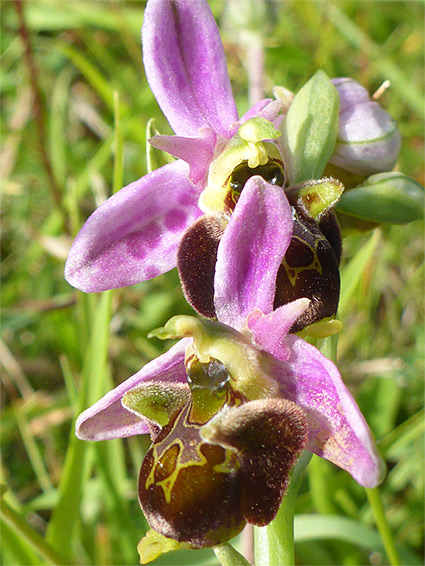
(213, 375)
(272, 172)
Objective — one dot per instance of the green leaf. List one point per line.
(229, 556)
(155, 158)
(385, 197)
(310, 129)
(32, 539)
(15, 549)
(332, 527)
(57, 125)
(353, 272)
(118, 161)
(79, 454)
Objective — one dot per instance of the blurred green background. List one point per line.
(61, 350)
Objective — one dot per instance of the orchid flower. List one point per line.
(232, 405)
(134, 236)
(178, 214)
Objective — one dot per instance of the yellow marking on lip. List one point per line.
(294, 272)
(198, 459)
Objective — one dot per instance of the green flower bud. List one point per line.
(385, 197)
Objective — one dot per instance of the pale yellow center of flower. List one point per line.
(248, 145)
(214, 340)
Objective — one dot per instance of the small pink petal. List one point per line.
(270, 330)
(267, 108)
(197, 152)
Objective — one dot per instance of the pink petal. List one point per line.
(338, 430)
(108, 419)
(251, 251)
(134, 235)
(186, 67)
(197, 152)
(270, 330)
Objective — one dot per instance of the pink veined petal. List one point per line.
(134, 235)
(270, 330)
(338, 430)
(108, 419)
(186, 66)
(251, 251)
(197, 152)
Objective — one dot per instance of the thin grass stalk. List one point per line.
(38, 108)
(375, 502)
(32, 537)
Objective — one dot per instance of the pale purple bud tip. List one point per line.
(368, 138)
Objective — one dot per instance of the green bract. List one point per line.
(155, 158)
(385, 197)
(310, 129)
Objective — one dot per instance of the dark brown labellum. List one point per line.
(310, 269)
(269, 435)
(190, 490)
(196, 259)
(203, 493)
(329, 227)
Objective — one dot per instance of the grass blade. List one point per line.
(353, 272)
(29, 535)
(78, 458)
(332, 527)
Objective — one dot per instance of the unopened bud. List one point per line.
(368, 139)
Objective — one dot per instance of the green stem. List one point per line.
(35, 540)
(274, 544)
(375, 502)
(229, 556)
(320, 489)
